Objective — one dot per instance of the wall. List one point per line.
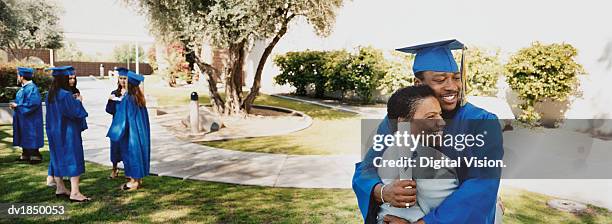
(93, 68)
(19, 54)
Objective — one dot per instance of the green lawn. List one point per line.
(332, 131)
(167, 199)
(171, 200)
(528, 207)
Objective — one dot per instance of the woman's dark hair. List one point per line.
(27, 78)
(402, 102)
(59, 82)
(118, 90)
(135, 92)
(74, 88)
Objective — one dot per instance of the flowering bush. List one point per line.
(543, 72)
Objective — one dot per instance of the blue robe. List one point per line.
(65, 122)
(115, 147)
(131, 125)
(475, 199)
(28, 119)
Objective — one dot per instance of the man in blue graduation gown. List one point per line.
(27, 118)
(475, 199)
(131, 125)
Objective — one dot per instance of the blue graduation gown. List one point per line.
(65, 122)
(131, 125)
(27, 118)
(475, 199)
(115, 147)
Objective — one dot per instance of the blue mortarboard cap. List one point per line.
(25, 72)
(134, 78)
(69, 69)
(57, 71)
(122, 71)
(435, 56)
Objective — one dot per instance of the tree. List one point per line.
(29, 24)
(70, 52)
(125, 52)
(233, 25)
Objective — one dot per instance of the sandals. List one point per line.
(80, 201)
(114, 174)
(125, 187)
(63, 195)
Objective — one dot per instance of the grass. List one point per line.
(528, 207)
(171, 200)
(179, 96)
(167, 199)
(343, 127)
(324, 137)
(332, 132)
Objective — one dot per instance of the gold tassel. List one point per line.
(463, 78)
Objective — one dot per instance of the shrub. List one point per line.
(543, 72)
(399, 74)
(178, 67)
(338, 71)
(301, 69)
(152, 58)
(368, 68)
(483, 71)
(333, 71)
(8, 80)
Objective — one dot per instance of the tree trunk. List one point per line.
(215, 99)
(248, 102)
(233, 80)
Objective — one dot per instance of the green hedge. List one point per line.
(366, 71)
(327, 71)
(8, 80)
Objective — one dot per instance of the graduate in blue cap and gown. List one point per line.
(131, 124)
(474, 201)
(115, 97)
(72, 82)
(27, 117)
(65, 117)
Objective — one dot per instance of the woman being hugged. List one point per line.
(113, 100)
(131, 126)
(65, 121)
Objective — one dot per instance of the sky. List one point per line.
(389, 24)
(505, 25)
(97, 26)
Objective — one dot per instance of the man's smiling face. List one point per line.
(446, 86)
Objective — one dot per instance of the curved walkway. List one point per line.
(173, 157)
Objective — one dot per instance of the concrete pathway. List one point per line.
(176, 158)
(173, 157)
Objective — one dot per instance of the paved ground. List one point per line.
(234, 128)
(172, 157)
(176, 158)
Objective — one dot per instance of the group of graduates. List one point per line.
(65, 119)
